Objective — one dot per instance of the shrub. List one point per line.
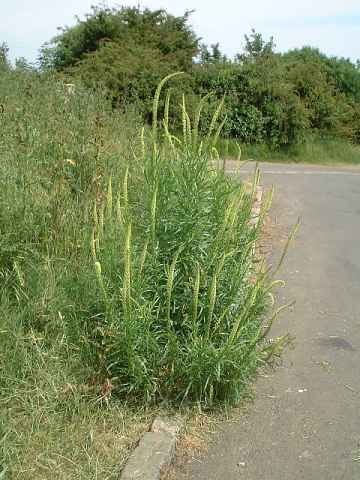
(182, 296)
(127, 49)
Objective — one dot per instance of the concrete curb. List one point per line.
(155, 451)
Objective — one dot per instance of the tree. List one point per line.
(256, 48)
(22, 65)
(4, 57)
(340, 72)
(127, 50)
(171, 36)
(213, 56)
(329, 87)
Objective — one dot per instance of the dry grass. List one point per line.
(81, 447)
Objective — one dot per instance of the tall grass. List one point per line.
(315, 150)
(182, 297)
(56, 153)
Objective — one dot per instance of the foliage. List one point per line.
(260, 105)
(127, 50)
(54, 157)
(169, 234)
(167, 298)
(325, 91)
(256, 48)
(212, 56)
(341, 72)
(182, 303)
(279, 99)
(4, 58)
(129, 72)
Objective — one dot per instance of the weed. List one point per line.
(181, 316)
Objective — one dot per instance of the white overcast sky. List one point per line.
(331, 25)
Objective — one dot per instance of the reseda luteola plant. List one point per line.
(184, 302)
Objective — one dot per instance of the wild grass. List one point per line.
(55, 150)
(315, 150)
(128, 279)
(52, 425)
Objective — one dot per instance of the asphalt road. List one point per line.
(305, 420)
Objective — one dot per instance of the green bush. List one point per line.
(260, 103)
(127, 49)
(182, 297)
(55, 148)
(272, 98)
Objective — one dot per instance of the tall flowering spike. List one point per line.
(125, 193)
(196, 294)
(198, 116)
(215, 118)
(167, 108)
(100, 279)
(119, 214)
(184, 120)
(156, 103)
(93, 244)
(127, 271)
(153, 213)
(142, 139)
(95, 215)
(101, 219)
(239, 152)
(109, 200)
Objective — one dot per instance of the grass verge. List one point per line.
(330, 151)
(55, 147)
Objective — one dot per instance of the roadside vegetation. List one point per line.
(55, 150)
(129, 282)
(287, 106)
(314, 150)
(128, 279)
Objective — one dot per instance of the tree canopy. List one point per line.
(269, 97)
(4, 58)
(127, 49)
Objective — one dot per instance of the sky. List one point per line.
(333, 26)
